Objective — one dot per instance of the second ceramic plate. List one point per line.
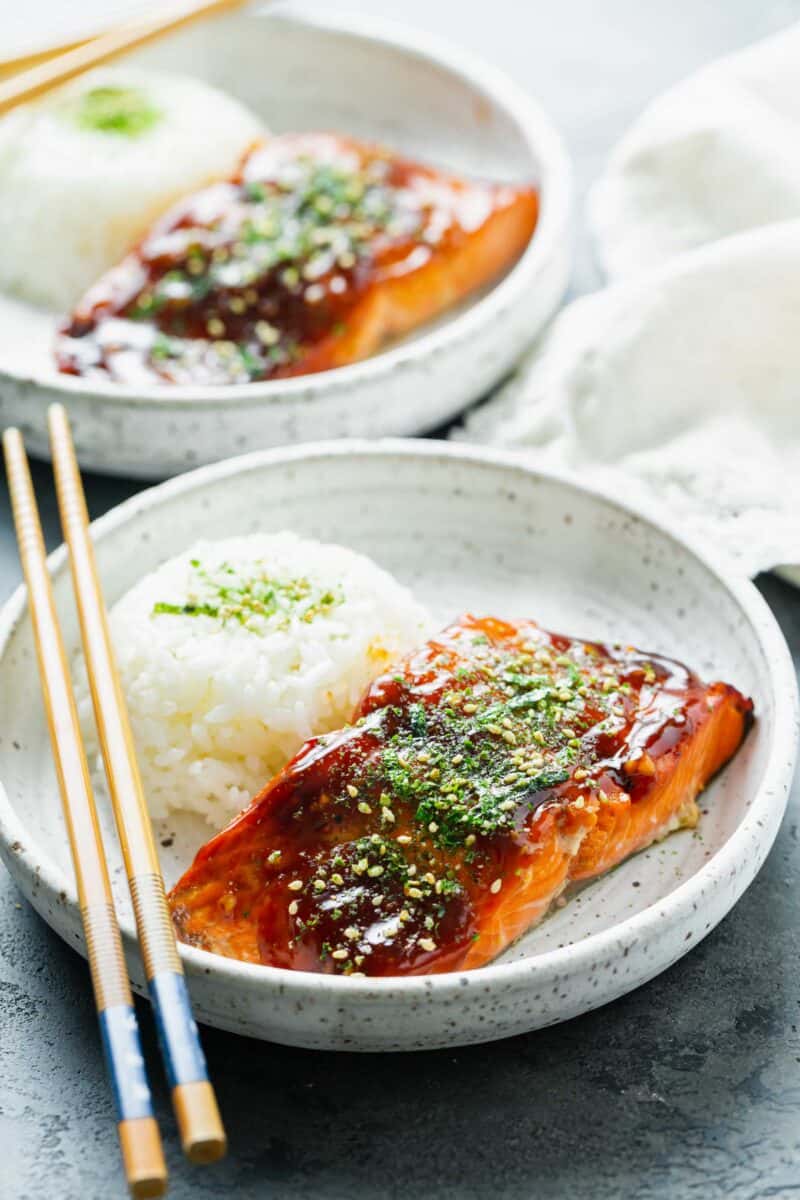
(373, 81)
(468, 531)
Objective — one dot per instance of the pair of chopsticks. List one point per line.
(201, 1131)
(45, 75)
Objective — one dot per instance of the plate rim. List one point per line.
(553, 223)
(760, 822)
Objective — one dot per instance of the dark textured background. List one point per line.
(689, 1087)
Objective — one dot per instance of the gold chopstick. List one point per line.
(27, 85)
(142, 1153)
(202, 1134)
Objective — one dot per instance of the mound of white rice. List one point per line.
(236, 652)
(85, 171)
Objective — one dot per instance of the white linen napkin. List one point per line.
(680, 385)
(714, 156)
(682, 388)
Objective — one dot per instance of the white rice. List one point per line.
(220, 703)
(74, 200)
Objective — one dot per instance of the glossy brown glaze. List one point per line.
(320, 250)
(479, 777)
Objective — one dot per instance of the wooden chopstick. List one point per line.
(13, 66)
(27, 85)
(202, 1134)
(140, 1142)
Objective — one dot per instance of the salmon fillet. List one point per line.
(320, 250)
(480, 777)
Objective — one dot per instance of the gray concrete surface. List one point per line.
(689, 1087)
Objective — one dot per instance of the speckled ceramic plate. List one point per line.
(468, 531)
(374, 81)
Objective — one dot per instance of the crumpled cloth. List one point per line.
(680, 385)
(714, 156)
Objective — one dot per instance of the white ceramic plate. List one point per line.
(467, 531)
(374, 81)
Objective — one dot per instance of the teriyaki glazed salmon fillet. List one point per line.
(320, 250)
(482, 775)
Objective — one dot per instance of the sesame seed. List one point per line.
(458, 760)
(215, 327)
(470, 839)
(340, 954)
(375, 871)
(414, 892)
(352, 933)
(580, 774)
(387, 815)
(377, 901)
(495, 888)
(427, 944)
(506, 722)
(470, 708)
(404, 839)
(237, 305)
(319, 885)
(404, 916)
(293, 907)
(295, 885)
(274, 857)
(433, 827)
(363, 807)
(314, 293)
(337, 879)
(495, 730)
(352, 791)
(412, 870)
(509, 737)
